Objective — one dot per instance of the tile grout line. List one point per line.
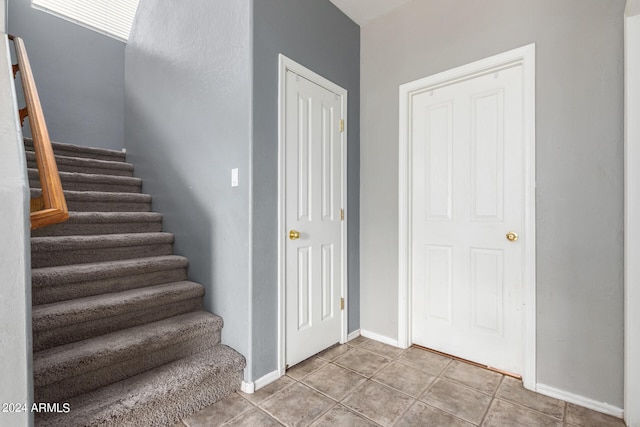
(415, 402)
(493, 398)
(254, 406)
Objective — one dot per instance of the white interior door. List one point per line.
(313, 215)
(467, 194)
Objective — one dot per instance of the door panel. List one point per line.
(466, 141)
(313, 194)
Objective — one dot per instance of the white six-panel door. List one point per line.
(467, 194)
(313, 192)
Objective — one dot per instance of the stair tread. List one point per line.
(84, 356)
(61, 243)
(64, 313)
(82, 149)
(86, 162)
(51, 276)
(120, 332)
(155, 397)
(93, 178)
(112, 217)
(99, 196)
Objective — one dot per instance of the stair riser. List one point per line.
(137, 364)
(53, 258)
(70, 229)
(82, 169)
(44, 339)
(91, 186)
(67, 291)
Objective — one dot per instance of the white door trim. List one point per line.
(524, 56)
(632, 210)
(284, 65)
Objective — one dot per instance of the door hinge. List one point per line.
(341, 125)
(341, 303)
(341, 214)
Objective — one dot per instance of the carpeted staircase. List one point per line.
(119, 332)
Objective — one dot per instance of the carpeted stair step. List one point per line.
(91, 223)
(65, 322)
(60, 283)
(83, 366)
(91, 182)
(67, 250)
(77, 164)
(71, 150)
(99, 201)
(159, 397)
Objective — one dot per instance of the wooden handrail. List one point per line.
(51, 206)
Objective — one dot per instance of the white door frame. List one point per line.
(524, 56)
(286, 64)
(632, 210)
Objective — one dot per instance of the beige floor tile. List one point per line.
(362, 362)
(334, 352)
(334, 381)
(339, 416)
(220, 412)
(459, 400)
(478, 378)
(297, 405)
(426, 361)
(425, 416)
(378, 403)
(269, 390)
(405, 379)
(505, 414)
(304, 368)
(357, 342)
(382, 349)
(513, 391)
(253, 418)
(584, 417)
(179, 424)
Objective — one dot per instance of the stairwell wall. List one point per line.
(187, 124)
(16, 369)
(319, 36)
(79, 74)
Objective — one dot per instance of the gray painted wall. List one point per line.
(579, 166)
(320, 37)
(188, 123)
(79, 74)
(3, 16)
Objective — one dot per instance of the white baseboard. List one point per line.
(266, 379)
(353, 335)
(248, 387)
(380, 338)
(603, 407)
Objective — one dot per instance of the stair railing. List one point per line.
(51, 206)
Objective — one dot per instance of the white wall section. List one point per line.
(579, 154)
(632, 214)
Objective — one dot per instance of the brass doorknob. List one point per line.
(512, 236)
(293, 234)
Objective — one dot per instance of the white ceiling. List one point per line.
(363, 11)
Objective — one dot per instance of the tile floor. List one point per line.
(367, 383)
